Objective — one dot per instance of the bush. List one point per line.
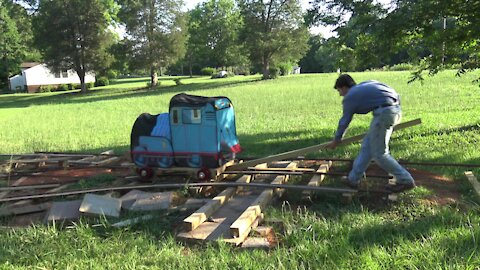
(178, 82)
(208, 71)
(274, 71)
(112, 74)
(89, 85)
(401, 67)
(45, 89)
(73, 86)
(62, 87)
(102, 81)
(285, 68)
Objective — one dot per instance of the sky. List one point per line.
(325, 31)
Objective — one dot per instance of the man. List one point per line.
(384, 103)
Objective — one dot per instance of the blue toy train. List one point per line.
(197, 132)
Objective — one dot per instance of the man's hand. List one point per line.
(333, 144)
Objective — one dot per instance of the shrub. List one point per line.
(112, 74)
(102, 81)
(401, 67)
(89, 85)
(45, 89)
(274, 71)
(208, 71)
(178, 82)
(62, 87)
(285, 68)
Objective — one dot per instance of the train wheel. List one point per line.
(146, 173)
(204, 174)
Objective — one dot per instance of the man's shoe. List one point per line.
(349, 183)
(400, 187)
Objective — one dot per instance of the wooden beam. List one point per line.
(316, 179)
(473, 180)
(300, 152)
(202, 214)
(7, 211)
(13, 188)
(243, 224)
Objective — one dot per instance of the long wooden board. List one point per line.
(300, 152)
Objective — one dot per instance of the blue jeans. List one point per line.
(375, 146)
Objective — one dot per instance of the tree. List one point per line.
(434, 34)
(16, 40)
(73, 34)
(213, 29)
(157, 31)
(11, 49)
(448, 30)
(309, 63)
(274, 30)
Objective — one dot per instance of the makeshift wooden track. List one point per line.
(229, 216)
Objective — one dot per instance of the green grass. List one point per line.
(271, 117)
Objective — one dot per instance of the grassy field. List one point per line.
(271, 117)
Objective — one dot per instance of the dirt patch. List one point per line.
(444, 190)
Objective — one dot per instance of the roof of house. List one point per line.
(29, 64)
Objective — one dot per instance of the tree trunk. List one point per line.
(153, 78)
(81, 75)
(266, 67)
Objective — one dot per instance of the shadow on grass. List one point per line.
(75, 97)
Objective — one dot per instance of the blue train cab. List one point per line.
(197, 132)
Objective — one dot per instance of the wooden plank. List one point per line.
(27, 209)
(100, 205)
(64, 210)
(282, 169)
(300, 152)
(243, 224)
(16, 183)
(217, 226)
(316, 179)
(155, 201)
(108, 160)
(13, 188)
(202, 214)
(44, 160)
(473, 180)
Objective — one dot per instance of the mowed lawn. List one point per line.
(271, 117)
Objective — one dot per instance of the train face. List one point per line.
(200, 133)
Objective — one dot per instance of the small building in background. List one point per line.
(35, 75)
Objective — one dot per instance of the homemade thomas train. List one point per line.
(197, 133)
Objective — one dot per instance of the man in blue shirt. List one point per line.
(384, 103)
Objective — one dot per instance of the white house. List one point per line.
(35, 75)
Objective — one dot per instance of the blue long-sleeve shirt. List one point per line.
(362, 99)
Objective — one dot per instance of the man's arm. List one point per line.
(342, 124)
